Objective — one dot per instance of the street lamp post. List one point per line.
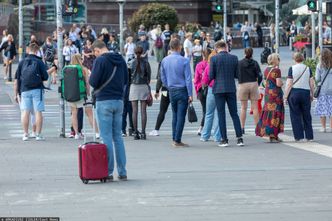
(277, 27)
(313, 25)
(225, 20)
(121, 6)
(59, 23)
(320, 25)
(20, 28)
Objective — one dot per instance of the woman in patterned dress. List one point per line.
(271, 122)
(324, 101)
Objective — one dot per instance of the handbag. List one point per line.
(96, 91)
(149, 100)
(319, 87)
(192, 117)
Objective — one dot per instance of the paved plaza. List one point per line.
(260, 181)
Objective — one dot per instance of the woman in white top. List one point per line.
(197, 53)
(69, 50)
(187, 45)
(129, 49)
(299, 95)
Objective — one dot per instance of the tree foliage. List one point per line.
(153, 14)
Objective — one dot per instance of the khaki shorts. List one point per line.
(248, 91)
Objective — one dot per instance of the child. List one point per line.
(197, 53)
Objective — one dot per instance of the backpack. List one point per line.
(159, 42)
(246, 35)
(49, 53)
(30, 75)
(73, 87)
(265, 54)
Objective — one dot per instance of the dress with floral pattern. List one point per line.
(271, 122)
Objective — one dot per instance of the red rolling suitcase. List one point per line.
(93, 163)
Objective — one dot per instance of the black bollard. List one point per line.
(10, 72)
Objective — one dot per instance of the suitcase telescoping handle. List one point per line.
(87, 103)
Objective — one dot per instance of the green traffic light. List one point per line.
(218, 7)
(312, 5)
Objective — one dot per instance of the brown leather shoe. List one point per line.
(176, 144)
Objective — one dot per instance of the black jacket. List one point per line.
(10, 50)
(249, 71)
(142, 76)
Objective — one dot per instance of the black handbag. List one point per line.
(319, 87)
(192, 117)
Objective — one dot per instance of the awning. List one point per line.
(303, 10)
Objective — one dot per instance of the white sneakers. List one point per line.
(78, 136)
(25, 137)
(325, 130)
(38, 137)
(154, 133)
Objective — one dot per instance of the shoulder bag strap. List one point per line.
(300, 76)
(106, 83)
(327, 73)
(268, 75)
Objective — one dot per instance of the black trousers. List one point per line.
(164, 103)
(299, 108)
(202, 99)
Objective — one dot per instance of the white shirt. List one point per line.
(130, 47)
(187, 45)
(68, 51)
(197, 50)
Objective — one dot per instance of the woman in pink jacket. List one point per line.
(210, 108)
(200, 88)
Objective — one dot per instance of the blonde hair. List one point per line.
(129, 38)
(213, 53)
(76, 59)
(273, 58)
(188, 34)
(197, 41)
(104, 31)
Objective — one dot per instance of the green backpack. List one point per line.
(73, 85)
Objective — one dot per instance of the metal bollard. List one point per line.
(10, 72)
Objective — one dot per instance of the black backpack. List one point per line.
(49, 53)
(30, 74)
(265, 54)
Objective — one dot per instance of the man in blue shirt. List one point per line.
(224, 70)
(176, 76)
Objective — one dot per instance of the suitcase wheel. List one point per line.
(85, 181)
(103, 180)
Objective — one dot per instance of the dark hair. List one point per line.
(220, 44)
(248, 52)
(175, 35)
(175, 44)
(206, 54)
(139, 52)
(98, 44)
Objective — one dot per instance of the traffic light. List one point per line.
(218, 7)
(312, 5)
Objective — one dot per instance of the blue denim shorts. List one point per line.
(32, 100)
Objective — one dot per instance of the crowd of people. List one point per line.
(128, 86)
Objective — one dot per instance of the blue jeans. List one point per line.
(230, 99)
(109, 115)
(299, 108)
(179, 102)
(246, 43)
(209, 118)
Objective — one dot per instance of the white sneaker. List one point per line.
(323, 130)
(77, 137)
(203, 140)
(39, 137)
(97, 136)
(25, 137)
(154, 133)
(33, 135)
(199, 132)
(329, 130)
